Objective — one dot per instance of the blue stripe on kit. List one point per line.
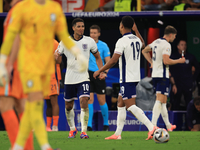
(164, 70)
(123, 68)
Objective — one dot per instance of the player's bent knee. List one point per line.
(84, 102)
(68, 106)
(54, 100)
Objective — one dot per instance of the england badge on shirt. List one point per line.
(84, 46)
(53, 17)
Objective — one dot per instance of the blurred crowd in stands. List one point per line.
(120, 5)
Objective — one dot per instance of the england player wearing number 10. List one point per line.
(77, 84)
(161, 50)
(128, 52)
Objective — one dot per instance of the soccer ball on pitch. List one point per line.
(161, 136)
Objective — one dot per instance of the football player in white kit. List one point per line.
(128, 52)
(76, 83)
(161, 51)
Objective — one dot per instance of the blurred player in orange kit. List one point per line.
(12, 94)
(52, 98)
(36, 22)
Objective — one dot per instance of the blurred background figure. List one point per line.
(193, 114)
(185, 5)
(96, 85)
(182, 78)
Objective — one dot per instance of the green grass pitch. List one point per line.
(179, 140)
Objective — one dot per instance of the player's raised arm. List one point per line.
(7, 44)
(168, 61)
(137, 33)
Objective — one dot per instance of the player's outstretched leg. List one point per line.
(156, 112)
(139, 114)
(165, 117)
(121, 117)
(84, 122)
(70, 120)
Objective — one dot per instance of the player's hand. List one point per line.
(96, 73)
(102, 76)
(174, 89)
(182, 60)
(151, 65)
(3, 75)
(82, 61)
(56, 55)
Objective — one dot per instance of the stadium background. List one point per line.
(186, 23)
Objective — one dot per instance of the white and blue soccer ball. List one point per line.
(161, 135)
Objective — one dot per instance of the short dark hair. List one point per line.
(77, 20)
(196, 100)
(127, 22)
(169, 30)
(181, 40)
(96, 27)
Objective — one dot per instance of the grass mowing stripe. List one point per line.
(179, 140)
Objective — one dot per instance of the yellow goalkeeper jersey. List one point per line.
(37, 25)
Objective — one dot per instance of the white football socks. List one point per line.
(165, 117)
(139, 114)
(70, 118)
(84, 119)
(156, 112)
(121, 117)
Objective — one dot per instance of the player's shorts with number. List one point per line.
(161, 85)
(54, 86)
(128, 90)
(73, 91)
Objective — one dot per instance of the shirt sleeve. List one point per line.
(167, 49)
(61, 23)
(13, 28)
(119, 48)
(93, 48)
(62, 29)
(151, 45)
(15, 22)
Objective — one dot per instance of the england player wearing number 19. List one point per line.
(161, 50)
(128, 52)
(76, 83)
